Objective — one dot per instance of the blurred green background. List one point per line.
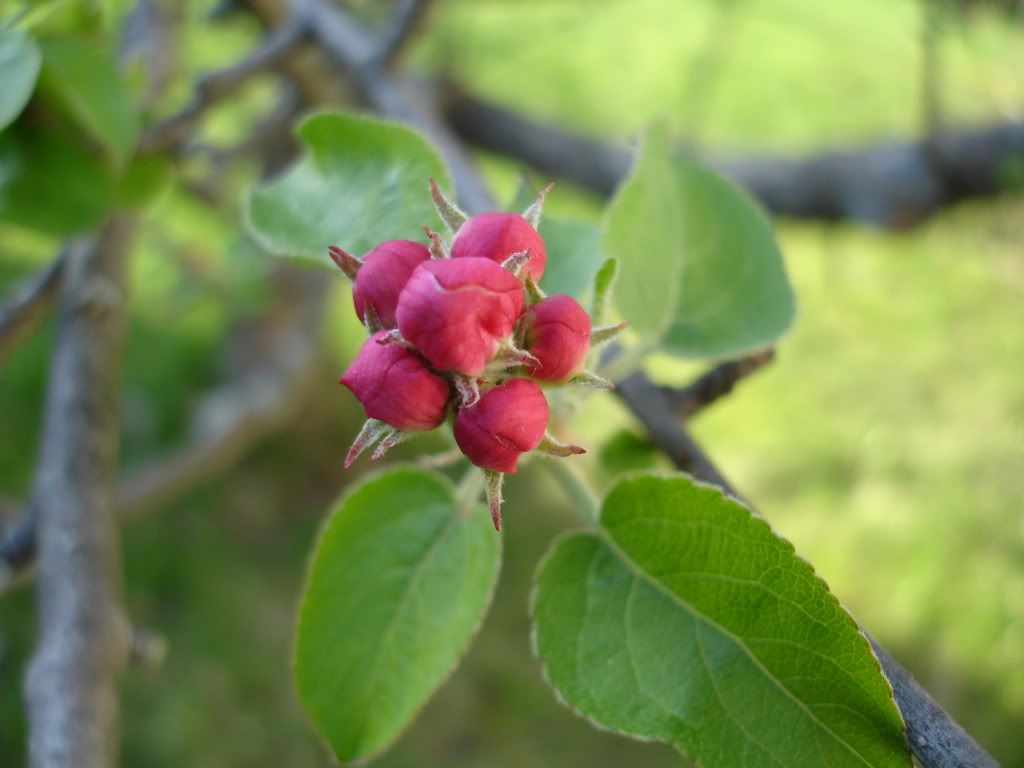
(886, 440)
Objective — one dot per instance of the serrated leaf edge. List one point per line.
(334, 507)
(600, 533)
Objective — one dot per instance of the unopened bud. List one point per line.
(395, 386)
(558, 336)
(509, 420)
(384, 272)
(456, 312)
(497, 236)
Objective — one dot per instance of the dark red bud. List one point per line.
(385, 271)
(496, 236)
(509, 420)
(396, 387)
(457, 311)
(558, 335)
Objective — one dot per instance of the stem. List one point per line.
(576, 487)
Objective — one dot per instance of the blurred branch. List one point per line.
(71, 686)
(892, 184)
(232, 419)
(17, 547)
(716, 383)
(256, 403)
(26, 304)
(406, 17)
(352, 49)
(931, 78)
(216, 86)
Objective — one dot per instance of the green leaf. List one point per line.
(626, 451)
(50, 184)
(398, 583)
(361, 181)
(574, 255)
(85, 82)
(700, 272)
(19, 62)
(145, 178)
(686, 620)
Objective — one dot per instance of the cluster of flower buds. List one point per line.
(462, 328)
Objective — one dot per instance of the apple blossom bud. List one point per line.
(510, 419)
(383, 275)
(496, 236)
(456, 312)
(557, 334)
(396, 387)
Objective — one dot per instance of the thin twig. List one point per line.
(216, 86)
(26, 304)
(714, 384)
(71, 686)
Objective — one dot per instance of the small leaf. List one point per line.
(50, 184)
(362, 181)
(686, 620)
(84, 80)
(700, 273)
(19, 62)
(398, 584)
(574, 255)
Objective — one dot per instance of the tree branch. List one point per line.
(406, 17)
(216, 86)
(234, 418)
(352, 49)
(648, 403)
(230, 420)
(26, 304)
(892, 184)
(714, 384)
(71, 686)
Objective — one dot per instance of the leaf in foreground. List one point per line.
(19, 62)
(700, 272)
(398, 584)
(361, 181)
(684, 619)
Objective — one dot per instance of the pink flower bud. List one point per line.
(509, 420)
(558, 335)
(383, 275)
(496, 236)
(396, 387)
(456, 311)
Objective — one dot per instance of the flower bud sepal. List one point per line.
(551, 446)
(375, 432)
(493, 482)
